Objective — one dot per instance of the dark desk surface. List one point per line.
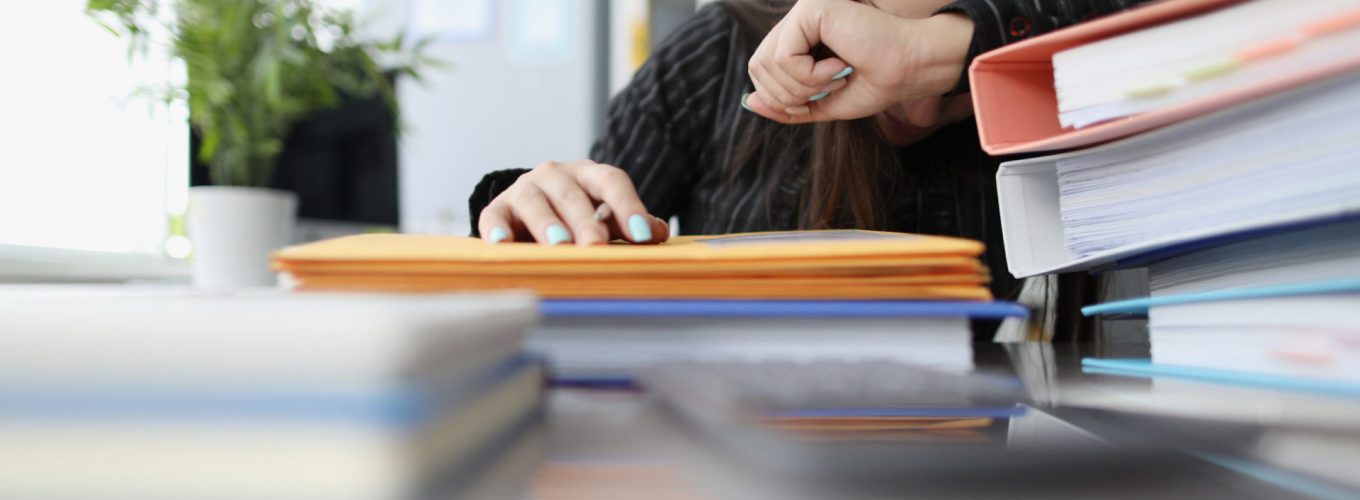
(622, 445)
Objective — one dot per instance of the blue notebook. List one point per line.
(1141, 306)
(1147, 369)
(781, 308)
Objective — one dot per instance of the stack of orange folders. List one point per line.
(779, 265)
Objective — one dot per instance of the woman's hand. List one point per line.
(895, 58)
(555, 203)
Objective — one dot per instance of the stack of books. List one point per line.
(1217, 147)
(611, 312)
(263, 396)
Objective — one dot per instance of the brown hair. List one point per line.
(852, 170)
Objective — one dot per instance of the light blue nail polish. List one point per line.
(558, 235)
(844, 73)
(820, 96)
(639, 228)
(745, 106)
(499, 234)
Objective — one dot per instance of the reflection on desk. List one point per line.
(637, 445)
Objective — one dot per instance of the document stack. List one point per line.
(777, 265)
(1238, 191)
(611, 342)
(281, 396)
(610, 312)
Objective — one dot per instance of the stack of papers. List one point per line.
(780, 265)
(260, 396)
(1329, 251)
(1304, 336)
(1288, 335)
(596, 341)
(1291, 157)
(1201, 57)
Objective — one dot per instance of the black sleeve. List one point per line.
(997, 23)
(657, 125)
(489, 188)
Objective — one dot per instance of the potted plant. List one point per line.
(254, 69)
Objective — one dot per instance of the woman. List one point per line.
(682, 138)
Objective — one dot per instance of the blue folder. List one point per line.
(1147, 369)
(780, 308)
(903, 411)
(697, 308)
(1141, 306)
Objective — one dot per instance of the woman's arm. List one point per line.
(997, 23)
(895, 58)
(656, 129)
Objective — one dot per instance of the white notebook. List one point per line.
(348, 342)
(263, 395)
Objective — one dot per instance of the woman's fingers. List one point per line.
(495, 223)
(612, 186)
(753, 103)
(570, 202)
(768, 90)
(661, 231)
(788, 83)
(773, 84)
(556, 203)
(835, 85)
(530, 205)
(785, 74)
(792, 76)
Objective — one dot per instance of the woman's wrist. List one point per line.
(947, 37)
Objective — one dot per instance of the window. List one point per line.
(86, 161)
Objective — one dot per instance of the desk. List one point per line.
(621, 445)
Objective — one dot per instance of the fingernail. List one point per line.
(558, 235)
(639, 228)
(819, 97)
(797, 110)
(844, 73)
(499, 234)
(744, 97)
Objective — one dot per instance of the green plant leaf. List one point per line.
(255, 68)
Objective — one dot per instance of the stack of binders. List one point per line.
(263, 396)
(1214, 142)
(1218, 142)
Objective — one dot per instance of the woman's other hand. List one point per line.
(555, 203)
(899, 53)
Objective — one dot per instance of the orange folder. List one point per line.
(784, 265)
(1017, 108)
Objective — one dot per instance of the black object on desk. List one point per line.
(341, 162)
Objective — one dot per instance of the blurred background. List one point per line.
(94, 172)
